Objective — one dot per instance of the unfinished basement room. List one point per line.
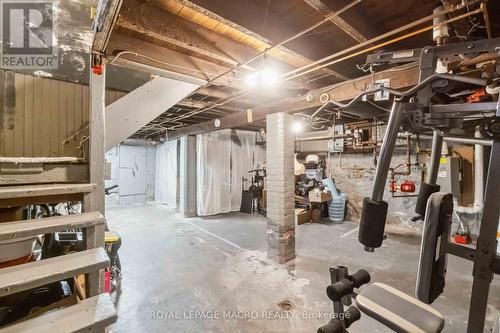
(250, 166)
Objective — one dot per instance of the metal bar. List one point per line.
(464, 107)
(495, 267)
(394, 57)
(336, 274)
(456, 139)
(486, 243)
(325, 137)
(461, 251)
(385, 155)
(437, 146)
(483, 142)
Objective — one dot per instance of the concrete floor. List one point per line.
(178, 274)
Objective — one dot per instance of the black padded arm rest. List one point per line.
(398, 311)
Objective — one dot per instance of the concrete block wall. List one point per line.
(280, 187)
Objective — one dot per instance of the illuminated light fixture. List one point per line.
(252, 79)
(265, 77)
(297, 126)
(268, 77)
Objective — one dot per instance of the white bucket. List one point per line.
(16, 248)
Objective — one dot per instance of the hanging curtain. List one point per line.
(213, 155)
(242, 160)
(166, 173)
(259, 156)
(224, 159)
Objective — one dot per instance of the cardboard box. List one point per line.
(315, 215)
(318, 196)
(302, 216)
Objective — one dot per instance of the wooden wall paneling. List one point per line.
(55, 139)
(38, 116)
(63, 107)
(19, 125)
(46, 117)
(70, 112)
(28, 116)
(85, 101)
(78, 109)
(9, 111)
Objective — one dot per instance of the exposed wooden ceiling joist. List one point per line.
(399, 78)
(168, 59)
(220, 25)
(337, 20)
(146, 19)
(191, 103)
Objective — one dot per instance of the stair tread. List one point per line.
(35, 274)
(22, 191)
(26, 228)
(27, 160)
(98, 311)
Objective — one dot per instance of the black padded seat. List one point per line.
(398, 311)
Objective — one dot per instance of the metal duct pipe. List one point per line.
(324, 137)
(478, 172)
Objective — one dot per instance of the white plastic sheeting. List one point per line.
(224, 159)
(213, 174)
(242, 152)
(166, 173)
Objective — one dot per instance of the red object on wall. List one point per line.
(478, 96)
(407, 186)
(462, 239)
(107, 282)
(97, 69)
(392, 186)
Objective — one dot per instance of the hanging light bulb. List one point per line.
(297, 126)
(268, 77)
(252, 79)
(265, 77)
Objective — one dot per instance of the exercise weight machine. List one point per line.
(416, 111)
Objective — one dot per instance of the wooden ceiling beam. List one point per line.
(400, 79)
(167, 59)
(220, 25)
(337, 20)
(214, 92)
(191, 103)
(162, 27)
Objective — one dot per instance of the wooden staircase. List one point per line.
(96, 311)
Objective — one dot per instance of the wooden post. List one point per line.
(94, 201)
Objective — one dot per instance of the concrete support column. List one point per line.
(187, 165)
(280, 187)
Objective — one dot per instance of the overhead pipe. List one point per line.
(245, 93)
(392, 41)
(286, 77)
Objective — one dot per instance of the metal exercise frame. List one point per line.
(486, 262)
(484, 257)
